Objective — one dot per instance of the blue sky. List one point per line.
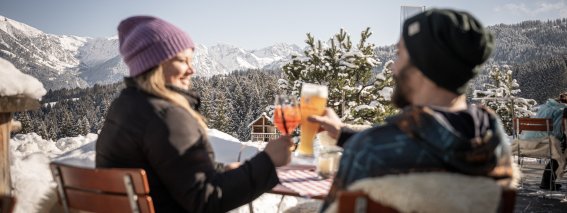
(259, 23)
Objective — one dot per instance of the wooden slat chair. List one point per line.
(102, 190)
(359, 202)
(7, 204)
(534, 124)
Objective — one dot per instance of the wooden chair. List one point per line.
(102, 190)
(535, 124)
(359, 202)
(7, 204)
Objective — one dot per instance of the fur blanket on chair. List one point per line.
(539, 148)
(431, 192)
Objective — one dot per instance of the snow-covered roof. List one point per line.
(264, 115)
(14, 82)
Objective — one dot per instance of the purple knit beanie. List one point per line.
(146, 42)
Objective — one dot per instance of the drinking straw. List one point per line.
(283, 119)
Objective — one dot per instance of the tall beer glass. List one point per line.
(313, 102)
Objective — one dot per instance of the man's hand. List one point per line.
(329, 122)
(231, 166)
(279, 150)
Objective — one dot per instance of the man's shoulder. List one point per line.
(375, 135)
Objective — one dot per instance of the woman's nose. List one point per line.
(190, 70)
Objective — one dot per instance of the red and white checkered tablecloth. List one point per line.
(305, 182)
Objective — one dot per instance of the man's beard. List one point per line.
(400, 96)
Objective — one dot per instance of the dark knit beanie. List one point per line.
(448, 46)
(146, 42)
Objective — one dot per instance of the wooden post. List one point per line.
(5, 118)
(9, 105)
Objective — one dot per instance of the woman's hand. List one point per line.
(329, 122)
(231, 166)
(279, 150)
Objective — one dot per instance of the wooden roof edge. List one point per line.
(18, 103)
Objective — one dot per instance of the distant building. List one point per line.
(263, 129)
(409, 11)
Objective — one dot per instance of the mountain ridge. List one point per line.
(65, 61)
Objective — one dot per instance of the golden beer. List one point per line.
(313, 102)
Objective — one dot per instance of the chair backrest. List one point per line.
(508, 201)
(564, 121)
(359, 202)
(102, 190)
(532, 124)
(7, 204)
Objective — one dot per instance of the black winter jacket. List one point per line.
(144, 131)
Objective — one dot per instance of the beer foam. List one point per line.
(308, 90)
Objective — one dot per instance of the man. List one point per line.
(555, 109)
(438, 53)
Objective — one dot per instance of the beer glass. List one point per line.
(328, 161)
(313, 102)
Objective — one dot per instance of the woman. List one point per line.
(152, 125)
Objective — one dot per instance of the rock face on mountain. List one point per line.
(61, 61)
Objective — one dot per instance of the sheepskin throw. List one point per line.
(431, 192)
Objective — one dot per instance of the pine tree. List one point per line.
(43, 131)
(26, 121)
(83, 126)
(66, 125)
(219, 118)
(53, 131)
(500, 96)
(347, 71)
(379, 97)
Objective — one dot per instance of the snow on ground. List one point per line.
(35, 188)
(227, 147)
(14, 82)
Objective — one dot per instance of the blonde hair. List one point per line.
(153, 82)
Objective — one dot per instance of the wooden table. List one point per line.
(306, 176)
(9, 105)
(283, 190)
(286, 191)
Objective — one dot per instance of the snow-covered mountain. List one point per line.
(49, 58)
(225, 58)
(61, 61)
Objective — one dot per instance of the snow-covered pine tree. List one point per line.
(500, 96)
(220, 114)
(85, 126)
(27, 123)
(347, 71)
(379, 97)
(66, 125)
(52, 131)
(41, 130)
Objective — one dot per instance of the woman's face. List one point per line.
(178, 70)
